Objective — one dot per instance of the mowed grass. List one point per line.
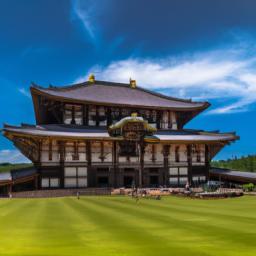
(120, 226)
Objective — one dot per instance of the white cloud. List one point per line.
(222, 74)
(24, 92)
(12, 156)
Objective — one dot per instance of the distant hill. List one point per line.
(244, 163)
(5, 167)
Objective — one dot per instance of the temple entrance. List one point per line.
(102, 182)
(130, 178)
(128, 181)
(154, 181)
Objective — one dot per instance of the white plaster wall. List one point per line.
(159, 153)
(182, 153)
(148, 153)
(82, 171)
(108, 151)
(173, 121)
(171, 157)
(122, 159)
(164, 123)
(45, 152)
(95, 151)
(202, 156)
(134, 159)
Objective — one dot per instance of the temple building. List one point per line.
(106, 134)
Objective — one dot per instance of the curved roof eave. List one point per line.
(38, 90)
(103, 135)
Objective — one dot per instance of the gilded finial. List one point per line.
(134, 114)
(91, 78)
(132, 83)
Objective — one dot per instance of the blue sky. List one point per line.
(199, 49)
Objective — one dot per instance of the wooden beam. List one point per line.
(50, 150)
(76, 155)
(88, 152)
(141, 169)
(73, 121)
(189, 160)
(153, 152)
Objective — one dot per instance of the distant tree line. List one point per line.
(244, 163)
(6, 167)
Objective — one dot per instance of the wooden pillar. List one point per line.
(120, 114)
(109, 119)
(90, 171)
(166, 152)
(207, 162)
(73, 121)
(76, 155)
(189, 159)
(114, 153)
(62, 112)
(141, 169)
(38, 163)
(88, 153)
(97, 116)
(61, 145)
(153, 153)
(102, 151)
(145, 172)
(177, 154)
(158, 119)
(50, 150)
(85, 115)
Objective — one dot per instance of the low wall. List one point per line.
(61, 193)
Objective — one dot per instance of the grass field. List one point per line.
(120, 226)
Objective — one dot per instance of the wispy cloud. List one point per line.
(24, 92)
(12, 156)
(84, 11)
(223, 74)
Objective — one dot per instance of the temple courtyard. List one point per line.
(119, 225)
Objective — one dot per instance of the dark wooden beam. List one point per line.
(50, 150)
(142, 146)
(88, 152)
(207, 161)
(76, 155)
(153, 152)
(61, 145)
(166, 153)
(73, 121)
(189, 159)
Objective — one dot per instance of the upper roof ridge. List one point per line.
(107, 83)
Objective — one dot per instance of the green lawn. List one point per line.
(120, 226)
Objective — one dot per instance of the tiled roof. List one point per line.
(5, 176)
(16, 174)
(232, 173)
(101, 133)
(117, 94)
(23, 172)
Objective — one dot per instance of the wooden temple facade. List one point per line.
(104, 134)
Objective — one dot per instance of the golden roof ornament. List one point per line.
(134, 114)
(91, 78)
(132, 83)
